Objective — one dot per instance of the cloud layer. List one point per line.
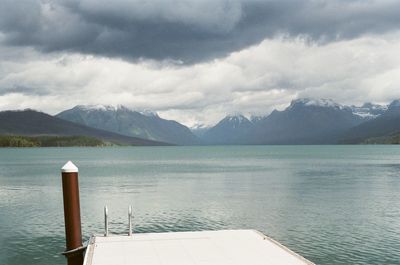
(253, 81)
(186, 31)
(196, 61)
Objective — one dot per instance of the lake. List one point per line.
(331, 204)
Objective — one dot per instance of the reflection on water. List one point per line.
(331, 204)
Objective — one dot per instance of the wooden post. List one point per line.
(72, 215)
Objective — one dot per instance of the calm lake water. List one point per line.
(331, 204)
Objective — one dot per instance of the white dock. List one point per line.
(227, 247)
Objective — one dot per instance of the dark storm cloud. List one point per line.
(189, 31)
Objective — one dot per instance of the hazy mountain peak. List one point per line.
(149, 113)
(236, 118)
(96, 107)
(229, 130)
(395, 104)
(256, 118)
(393, 108)
(369, 110)
(111, 108)
(199, 126)
(308, 102)
(199, 129)
(369, 105)
(122, 120)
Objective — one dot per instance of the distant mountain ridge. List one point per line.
(34, 123)
(384, 125)
(233, 129)
(122, 120)
(304, 121)
(369, 111)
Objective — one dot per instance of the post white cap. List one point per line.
(69, 167)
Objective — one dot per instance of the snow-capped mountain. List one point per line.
(230, 130)
(237, 121)
(100, 107)
(310, 102)
(122, 120)
(395, 104)
(394, 108)
(366, 111)
(303, 121)
(369, 111)
(309, 121)
(148, 113)
(97, 107)
(384, 125)
(256, 118)
(199, 129)
(33, 123)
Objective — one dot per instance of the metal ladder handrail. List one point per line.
(105, 221)
(130, 217)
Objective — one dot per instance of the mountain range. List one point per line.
(309, 121)
(121, 120)
(34, 123)
(386, 124)
(304, 121)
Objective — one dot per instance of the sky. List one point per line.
(197, 61)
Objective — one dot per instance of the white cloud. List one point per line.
(254, 80)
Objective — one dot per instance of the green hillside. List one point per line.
(49, 141)
(29, 123)
(391, 139)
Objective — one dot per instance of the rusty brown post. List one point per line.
(72, 215)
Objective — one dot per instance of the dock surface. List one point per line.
(227, 247)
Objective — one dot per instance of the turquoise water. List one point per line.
(331, 204)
